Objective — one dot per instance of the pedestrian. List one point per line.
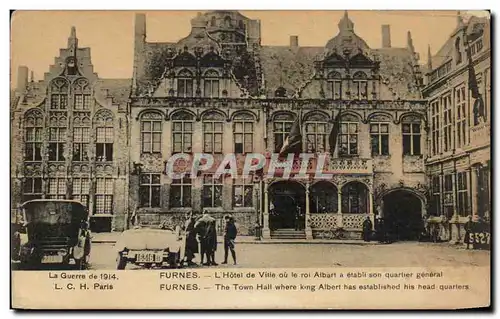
(367, 229)
(230, 233)
(191, 247)
(468, 227)
(207, 231)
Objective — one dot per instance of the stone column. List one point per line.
(474, 191)
(266, 232)
(340, 222)
(308, 214)
(371, 213)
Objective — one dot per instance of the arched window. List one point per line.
(151, 130)
(360, 81)
(348, 137)
(227, 22)
(33, 126)
(458, 51)
(213, 22)
(185, 84)
(57, 137)
(316, 131)
(324, 198)
(213, 128)
(81, 137)
(282, 124)
(211, 80)
(182, 132)
(411, 135)
(335, 85)
(82, 97)
(354, 198)
(59, 94)
(243, 133)
(379, 135)
(103, 122)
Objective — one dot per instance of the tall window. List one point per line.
(463, 194)
(104, 196)
(81, 136)
(487, 93)
(335, 85)
(379, 133)
(411, 138)
(448, 195)
(180, 192)
(104, 136)
(348, 145)
(354, 198)
(33, 123)
(243, 133)
(81, 190)
(82, 101)
(447, 123)
(58, 101)
(213, 129)
(435, 128)
(435, 204)
(316, 130)
(458, 51)
(281, 127)
(57, 138)
(182, 132)
(151, 130)
(360, 82)
(149, 190)
(32, 188)
(57, 188)
(243, 192)
(211, 80)
(324, 198)
(185, 84)
(212, 191)
(461, 111)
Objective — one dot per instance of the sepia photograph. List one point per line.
(230, 140)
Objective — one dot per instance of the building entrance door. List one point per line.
(403, 215)
(287, 206)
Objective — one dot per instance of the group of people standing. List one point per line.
(201, 237)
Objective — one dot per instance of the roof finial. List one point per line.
(460, 21)
(345, 23)
(72, 40)
(32, 76)
(429, 58)
(410, 41)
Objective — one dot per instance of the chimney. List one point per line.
(22, 78)
(386, 36)
(294, 41)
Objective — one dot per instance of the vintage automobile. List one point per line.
(52, 231)
(150, 247)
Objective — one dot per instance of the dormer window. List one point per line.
(185, 84)
(458, 52)
(334, 85)
(227, 22)
(211, 88)
(360, 81)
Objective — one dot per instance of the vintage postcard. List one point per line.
(250, 159)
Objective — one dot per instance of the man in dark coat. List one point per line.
(191, 242)
(367, 229)
(230, 233)
(207, 231)
(468, 227)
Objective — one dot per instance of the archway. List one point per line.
(402, 215)
(286, 205)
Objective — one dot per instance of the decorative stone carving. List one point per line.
(323, 221)
(353, 221)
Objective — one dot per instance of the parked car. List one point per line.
(52, 232)
(149, 248)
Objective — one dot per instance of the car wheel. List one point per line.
(121, 263)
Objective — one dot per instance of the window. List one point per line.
(185, 84)
(151, 130)
(316, 130)
(348, 145)
(32, 188)
(212, 136)
(82, 101)
(57, 142)
(227, 22)
(435, 205)
(461, 111)
(58, 101)
(104, 196)
(180, 192)
(33, 136)
(243, 192)
(458, 52)
(448, 195)
(335, 85)
(104, 144)
(411, 139)
(182, 131)
(379, 133)
(487, 93)
(360, 85)
(57, 188)
(243, 134)
(281, 127)
(212, 191)
(435, 128)
(211, 84)
(81, 190)
(463, 194)
(81, 136)
(447, 123)
(354, 198)
(149, 190)
(324, 198)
